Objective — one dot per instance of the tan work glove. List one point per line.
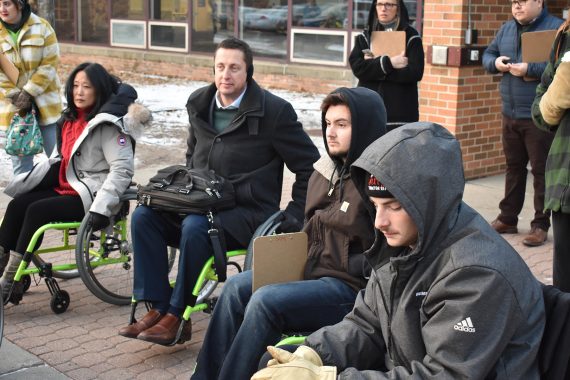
(288, 366)
(556, 100)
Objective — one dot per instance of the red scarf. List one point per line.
(70, 132)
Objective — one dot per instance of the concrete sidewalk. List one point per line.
(82, 343)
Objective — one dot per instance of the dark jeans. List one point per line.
(152, 234)
(243, 325)
(561, 260)
(28, 212)
(523, 141)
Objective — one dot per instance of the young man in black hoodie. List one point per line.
(339, 231)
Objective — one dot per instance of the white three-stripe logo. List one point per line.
(465, 325)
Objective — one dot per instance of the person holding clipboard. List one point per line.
(30, 55)
(388, 57)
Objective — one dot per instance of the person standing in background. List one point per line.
(522, 141)
(394, 78)
(30, 43)
(550, 113)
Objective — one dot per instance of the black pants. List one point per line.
(27, 212)
(524, 142)
(561, 260)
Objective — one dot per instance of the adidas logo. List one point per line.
(465, 325)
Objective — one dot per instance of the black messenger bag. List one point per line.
(178, 189)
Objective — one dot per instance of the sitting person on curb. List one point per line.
(457, 303)
(246, 135)
(95, 140)
(339, 230)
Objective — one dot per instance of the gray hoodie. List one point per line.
(461, 304)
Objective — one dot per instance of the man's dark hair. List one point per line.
(237, 44)
(104, 84)
(333, 99)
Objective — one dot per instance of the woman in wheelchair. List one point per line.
(95, 142)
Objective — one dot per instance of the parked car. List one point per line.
(268, 20)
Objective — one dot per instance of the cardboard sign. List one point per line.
(536, 46)
(9, 69)
(279, 258)
(388, 43)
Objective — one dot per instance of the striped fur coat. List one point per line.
(36, 55)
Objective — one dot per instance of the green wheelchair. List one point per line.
(103, 259)
(208, 281)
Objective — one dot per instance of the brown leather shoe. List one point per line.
(503, 228)
(164, 332)
(150, 319)
(536, 237)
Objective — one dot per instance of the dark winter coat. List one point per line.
(460, 304)
(338, 224)
(397, 87)
(517, 94)
(251, 153)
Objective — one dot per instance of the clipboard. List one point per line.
(279, 258)
(387, 43)
(536, 46)
(9, 69)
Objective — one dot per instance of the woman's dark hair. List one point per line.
(104, 84)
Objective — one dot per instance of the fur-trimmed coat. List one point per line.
(102, 159)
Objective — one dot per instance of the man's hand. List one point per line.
(399, 61)
(293, 367)
(289, 224)
(98, 221)
(502, 63)
(23, 101)
(518, 69)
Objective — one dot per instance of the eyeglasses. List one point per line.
(518, 3)
(390, 6)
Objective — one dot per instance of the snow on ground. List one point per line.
(170, 121)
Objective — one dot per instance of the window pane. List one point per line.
(128, 33)
(322, 47)
(128, 9)
(264, 28)
(212, 21)
(64, 20)
(93, 21)
(330, 14)
(169, 10)
(168, 36)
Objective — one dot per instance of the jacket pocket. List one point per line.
(36, 42)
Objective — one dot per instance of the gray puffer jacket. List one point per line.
(102, 159)
(461, 304)
(517, 94)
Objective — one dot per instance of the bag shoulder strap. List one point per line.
(220, 259)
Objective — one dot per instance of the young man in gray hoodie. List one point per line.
(457, 303)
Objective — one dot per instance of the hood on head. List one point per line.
(373, 23)
(421, 165)
(118, 103)
(368, 117)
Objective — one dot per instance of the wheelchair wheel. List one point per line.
(59, 302)
(105, 258)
